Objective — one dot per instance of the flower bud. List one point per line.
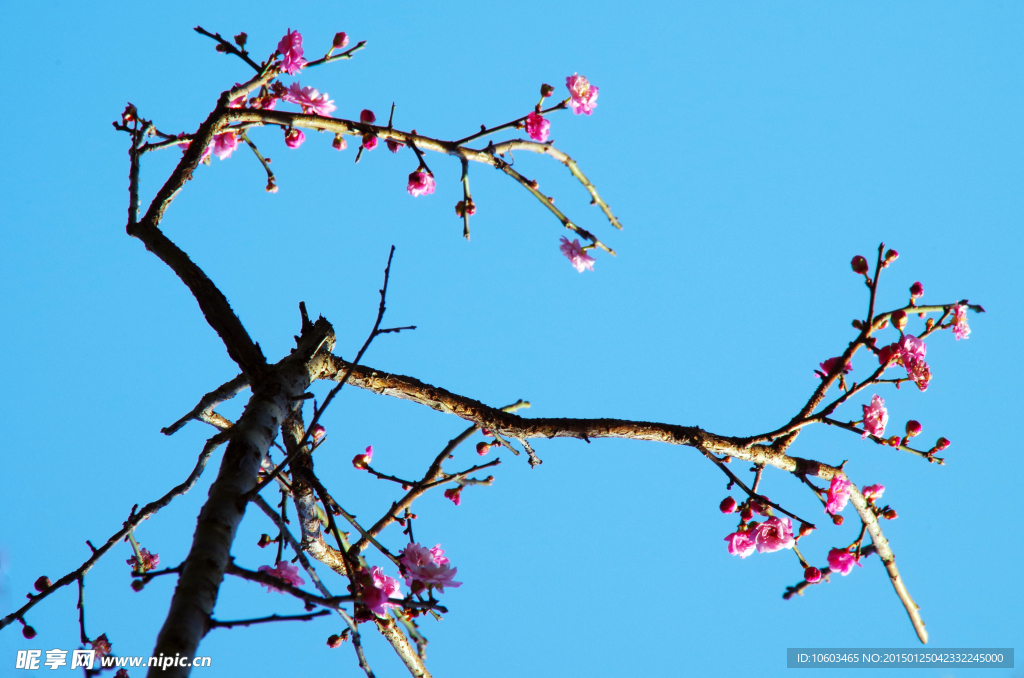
(746, 514)
(899, 320)
(858, 324)
(890, 514)
(805, 530)
(913, 428)
(812, 575)
(893, 441)
(264, 541)
(482, 448)
(340, 41)
(317, 433)
(837, 520)
(339, 143)
(28, 632)
(890, 256)
(367, 117)
(42, 584)
(941, 444)
(916, 290)
(334, 640)
(859, 265)
(460, 209)
(546, 90)
(485, 431)
(130, 114)
(369, 142)
(271, 186)
(138, 585)
(240, 39)
(728, 505)
(393, 146)
(360, 461)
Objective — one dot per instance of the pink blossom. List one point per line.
(538, 127)
(960, 328)
(363, 460)
(428, 566)
(774, 534)
(148, 562)
(420, 183)
(394, 146)
(290, 48)
(293, 138)
(583, 96)
(283, 571)
(838, 494)
(224, 144)
(382, 589)
(369, 142)
(310, 99)
(842, 561)
(455, 494)
(339, 143)
(740, 544)
(912, 347)
(875, 417)
(812, 575)
(577, 257)
(829, 365)
(873, 492)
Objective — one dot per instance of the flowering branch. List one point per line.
(215, 624)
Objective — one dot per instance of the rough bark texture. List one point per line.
(203, 570)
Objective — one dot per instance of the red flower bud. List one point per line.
(460, 208)
(334, 640)
(28, 632)
(890, 514)
(264, 541)
(837, 520)
(859, 265)
(913, 428)
(812, 575)
(916, 290)
(805, 530)
(941, 444)
(339, 143)
(482, 448)
(42, 584)
(746, 514)
(340, 41)
(890, 256)
(728, 505)
(138, 585)
(367, 117)
(546, 90)
(240, 39)
(893, 441)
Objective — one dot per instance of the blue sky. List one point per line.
(750, 150)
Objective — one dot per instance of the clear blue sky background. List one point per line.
(750, 149)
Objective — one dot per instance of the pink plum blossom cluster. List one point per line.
(427, 568)
(285, 572)
(772, 535)
(147, 562)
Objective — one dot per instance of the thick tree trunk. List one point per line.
(203, 571)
